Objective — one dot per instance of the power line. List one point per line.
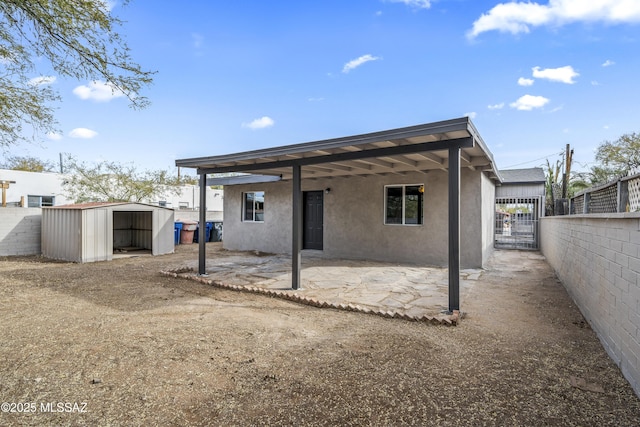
(535, 160)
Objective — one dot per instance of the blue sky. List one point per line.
(236, 76)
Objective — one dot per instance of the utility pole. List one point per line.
(567, 171)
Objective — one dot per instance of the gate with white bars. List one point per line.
(517, 222)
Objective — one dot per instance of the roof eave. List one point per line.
(452, 125)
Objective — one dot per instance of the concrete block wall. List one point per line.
(193, 215)
(597, 258)
(20, 231)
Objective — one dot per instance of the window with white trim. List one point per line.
(253, 206)
(404, 204)
(40, 201)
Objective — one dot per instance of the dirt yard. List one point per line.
(118, 344)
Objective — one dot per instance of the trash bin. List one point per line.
(216, 232)
(177, 227)
(210, 231)
(207, 232)
(188, 229)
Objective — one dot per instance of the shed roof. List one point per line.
(396, 151)
(523, 176)
(96, 205)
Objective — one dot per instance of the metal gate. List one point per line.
(517, 221)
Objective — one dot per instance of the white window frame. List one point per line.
(404, 204)
(254, 210)
(39, 198)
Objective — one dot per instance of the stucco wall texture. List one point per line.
(597, 258)
(354, 219)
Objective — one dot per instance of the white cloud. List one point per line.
(471, 115)
(54, 136)
(83, 133)
(595, 83)
(525, 82)
(529, 102)
(42, 80)
(261, 123)
(98, 91)
(496, 106)
(608, 63)
(563, 74)
(355, 63)
(419, 4)
(519, 17)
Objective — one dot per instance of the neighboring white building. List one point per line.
(189, 199)
(32, 189)
(38, 189)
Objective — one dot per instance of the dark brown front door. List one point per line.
(312, 236)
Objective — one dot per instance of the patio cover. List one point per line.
(446, 145)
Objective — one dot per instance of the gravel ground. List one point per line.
(118, 344)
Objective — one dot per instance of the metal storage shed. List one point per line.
(91, 232)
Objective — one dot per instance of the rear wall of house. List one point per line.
(354, 219)
(488, 217)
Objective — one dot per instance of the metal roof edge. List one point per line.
(97, 205)
(404, 132)
(476, 137)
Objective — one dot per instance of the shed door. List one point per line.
(312, 219)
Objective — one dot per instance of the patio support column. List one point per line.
(202, 255)
(297, 228)
(454, 229)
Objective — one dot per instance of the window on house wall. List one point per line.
(404, 204)
(40, 201)
(253, 206)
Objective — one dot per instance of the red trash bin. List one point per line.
(188, 229)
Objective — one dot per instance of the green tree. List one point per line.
(576, 182)
(553, 183)
(114, 182)
(28, 164)
(616, 158)
(77, 39)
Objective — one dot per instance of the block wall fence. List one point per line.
(20, 231)
(597, 258)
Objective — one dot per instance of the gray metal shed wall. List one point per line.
(163, 237)
(97, 235)
(62, 234)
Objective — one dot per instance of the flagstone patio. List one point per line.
(393, 290)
